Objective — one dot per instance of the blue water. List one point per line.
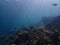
(18, 13)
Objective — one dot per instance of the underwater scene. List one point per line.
(29, 22)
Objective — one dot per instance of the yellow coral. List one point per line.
(49, 44)
(59, 37)
(13, 44)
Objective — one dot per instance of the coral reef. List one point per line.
(32, 35)
(55, 24)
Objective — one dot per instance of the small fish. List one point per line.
(55, 4)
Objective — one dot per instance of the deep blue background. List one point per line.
(17, 13)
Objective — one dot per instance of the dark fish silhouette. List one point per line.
(55, 4)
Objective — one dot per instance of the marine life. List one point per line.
(55, 4)
(38, 37)
(29, 22)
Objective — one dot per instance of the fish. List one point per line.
(55, 4)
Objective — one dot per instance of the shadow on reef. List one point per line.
(32, 35)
